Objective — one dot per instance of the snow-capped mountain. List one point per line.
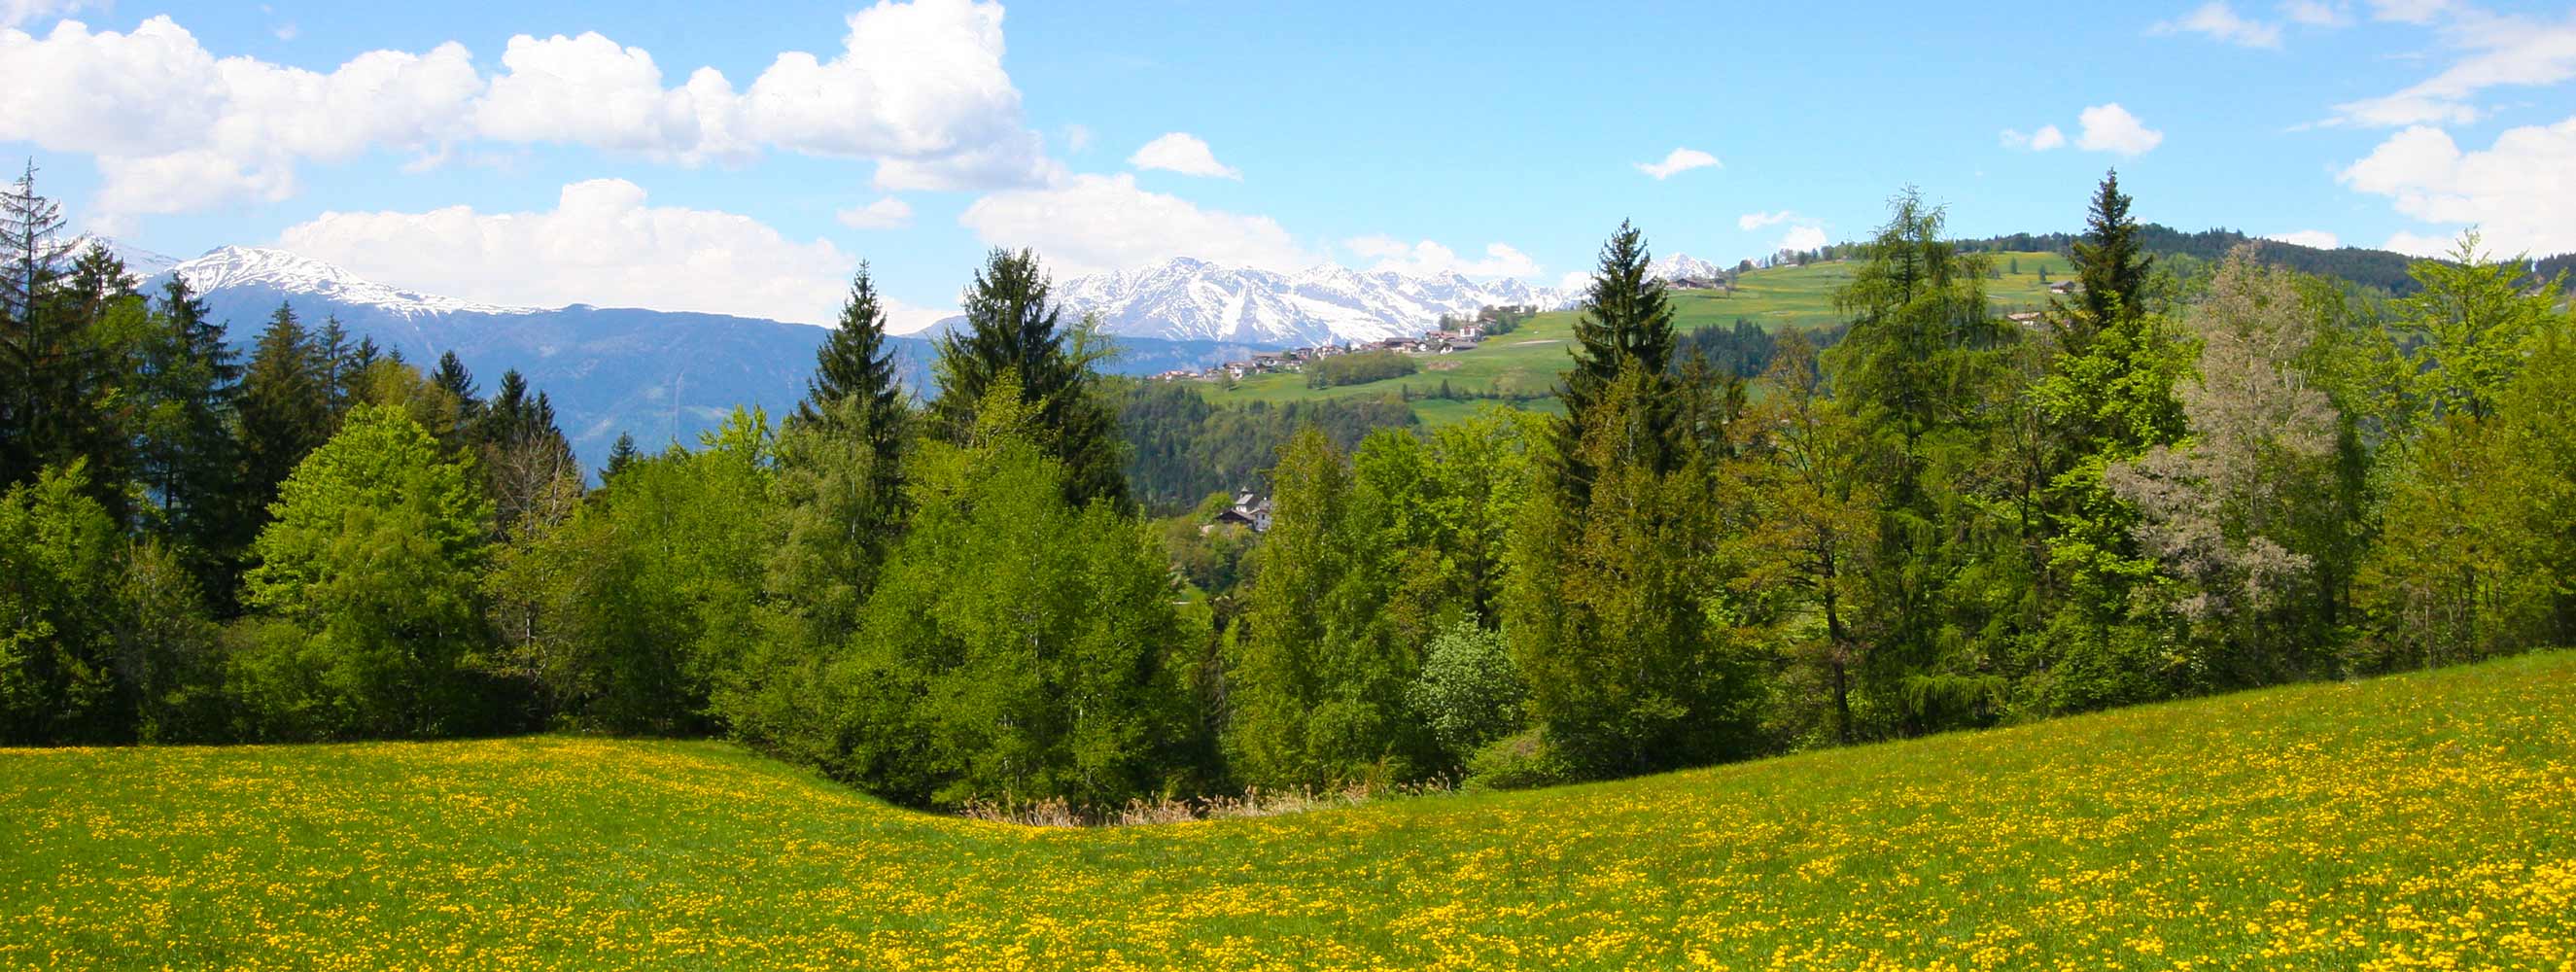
(663, 376)
(138, 261)
(1683, 266)
(295, 273)
(1187, 299)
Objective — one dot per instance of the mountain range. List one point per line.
(665, 376)
(1187, 299)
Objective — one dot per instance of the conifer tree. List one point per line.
(621, 457)
(855, 394)
(1013, 328)
(285, 412)
(36, 339)
(1627, 322)
(187, 388)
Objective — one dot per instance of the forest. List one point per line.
(2188, 477)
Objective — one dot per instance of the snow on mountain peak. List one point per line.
(295, 273)
(1189, 299)
(1683, 266)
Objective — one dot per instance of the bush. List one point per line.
(1518, 762)
(1468, 691)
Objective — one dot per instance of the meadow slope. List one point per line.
(2420, 821)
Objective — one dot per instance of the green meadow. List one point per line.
(2418, 821)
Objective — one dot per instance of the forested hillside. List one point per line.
(1723, 543)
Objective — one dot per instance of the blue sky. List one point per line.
(654, 154)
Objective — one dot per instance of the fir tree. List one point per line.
(285, 412)
(855, 393)
(1012, 328)
(1627, 322)
(621, 457)
(187, 388)
(37, 341)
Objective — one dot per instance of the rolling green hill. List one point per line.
(1524, 364)
(2421, 821)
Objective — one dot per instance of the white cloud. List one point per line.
(1575, 282)
(1092, 223)
(601, 244)
(15, 12)
(2408, 11)
(2316, 13)
(2420, 245)
(2110, 128)
(1680, 160)
(1184, 153)
(1804, 238)
(2518, 192)
(2316, 238)
(2499, 51)
(918, 87)
(2046, 138)
(885, 213)
(1077, 138)
(2220, 22)
(1754, 221)
(1427, 258)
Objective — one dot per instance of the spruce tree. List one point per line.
(1627, 323)
(621, 457)
(187, 460)
(1012, 328)
(285, 412)
(452, 378)
(855, 395)
(37, 340)
(2110, 268)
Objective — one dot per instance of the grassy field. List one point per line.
(1526, 361)
(2422, 821)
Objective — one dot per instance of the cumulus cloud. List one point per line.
(1678, 161)
(1091, 223)
(2110, 128)
(2518, 191)
(602, 244)
(886, 213)
(2046, 138)
(15, 12)
(917, 87)
(2495, 51)
(1804, 238)
(2316, 238)
(1184, 153)
(1426, 258)
(2220, 22)
(2100, 128)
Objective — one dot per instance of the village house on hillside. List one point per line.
(1250, 511)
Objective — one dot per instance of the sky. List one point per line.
(745, 158)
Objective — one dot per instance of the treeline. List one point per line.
(2380, 270)
(1942, 521)
(1359, 368)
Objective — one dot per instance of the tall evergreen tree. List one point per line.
(285, 413)
(1013, 327)
(855, 394)
(452, 377)
(37, 341)
(187, 459)
(621, 457)
(1627, 321)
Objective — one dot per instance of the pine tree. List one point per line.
(452, 378)
(1627, 323)
(621, 456)
(37, 340)
(855, 392)
(285, 412)
(187, 459)
(1012, 328)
